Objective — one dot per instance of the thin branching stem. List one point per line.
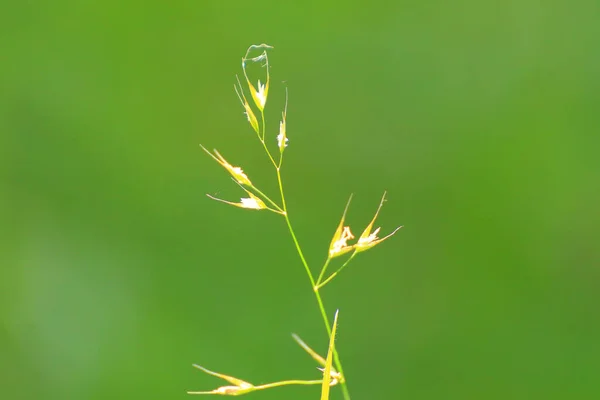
(264, 196)
(259, 98)
(326, 281)
(262, 140)
(336, 356)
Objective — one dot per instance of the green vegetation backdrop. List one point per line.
(479, 118)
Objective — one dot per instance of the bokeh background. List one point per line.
(480, 119)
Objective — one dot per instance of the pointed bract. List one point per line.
(340, 246)
(259, 96)
(310, 351)
(253, 202)
(342, 234)
(327, 370)
(282, 139)
(247, 109)
(367, 239)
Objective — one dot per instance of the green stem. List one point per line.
(281, 211)
(262, 140)
(322, 272)
(325, 282)
(336, 356)
(285, 383)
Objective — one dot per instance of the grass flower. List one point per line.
(240, 387)
(253, 202)
(282, 140)
(341, 236)
(261, 96)
(236, 172)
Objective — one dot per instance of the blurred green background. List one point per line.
(480, 119)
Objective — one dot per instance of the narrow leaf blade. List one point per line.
(328, 361)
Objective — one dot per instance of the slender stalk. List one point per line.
(336, 356)
(326, 281)
(322, 272)
(262, 140)
(268, 199)
(290, 382)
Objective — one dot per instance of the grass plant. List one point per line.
(331, 365)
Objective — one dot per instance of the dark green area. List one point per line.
(480, 119)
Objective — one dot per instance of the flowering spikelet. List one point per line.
(342, 234)
(253, 202)
(236, 172)
(247, 109)
(238, 386)
(259, 96)
(282, 140)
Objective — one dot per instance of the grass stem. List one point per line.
(336, 356)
